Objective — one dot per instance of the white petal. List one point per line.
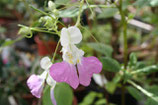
(72, 35)
(45, 63)
(64, 38)
(43, 75)
(72, 54)
(75, 34)
(99, 79)
(51, 81)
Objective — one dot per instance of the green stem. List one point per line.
(125, 53)
(79, 15)
(56, 49)
(124, 25)
(40, 30)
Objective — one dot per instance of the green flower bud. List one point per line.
(26, 31)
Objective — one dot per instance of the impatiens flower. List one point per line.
(75, 69)
(36, 82)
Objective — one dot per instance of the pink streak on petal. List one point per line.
(35, 84)
(88, 66)
(65, 72)
(52, 96)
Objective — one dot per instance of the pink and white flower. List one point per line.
(36, 82)
(75, 69)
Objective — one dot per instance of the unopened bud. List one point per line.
(51, 5)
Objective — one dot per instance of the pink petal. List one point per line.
(88, 66)
(65, 72)
(35, 84)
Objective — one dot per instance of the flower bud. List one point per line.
(51, 5)
(24, 31)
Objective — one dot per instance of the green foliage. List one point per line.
(110, 64)
(100, 102)
(62, 92)
(107, 13)
(70, 12)
(46, 96)
(135, 93)
(110, 87)
(89, 99)
(147, 70)
(151, 95)
(132, 60)
(141, 3)
(101, 48)
(62, 2)
(153, 89)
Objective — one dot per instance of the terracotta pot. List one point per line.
(45, 48)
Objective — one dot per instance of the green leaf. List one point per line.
(71, 12)
(151, 102)
(134, 92)
(132, 60)
(147, 70)
(62, 2)
(141, 3)
(101, 102)
(110, 64)
(145, 92)
(107, 13)
(62, 92)
(102, 48)
(46, 96)
(88, 99)
(110, 87)
(153, 89)
(8, 42)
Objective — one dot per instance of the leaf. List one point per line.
(132, 60)
(46, 96)
(88, 99)
(110, 64)
(7, 43)
(102, 48)
(134, 92)
(71, 12)
(62, 2)
(145, 92)
(147, 70)
(151, 102)
(153, 89)
(101, 102)
(62, 92)
(141, 3)
(110, 87)
(107, 13)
